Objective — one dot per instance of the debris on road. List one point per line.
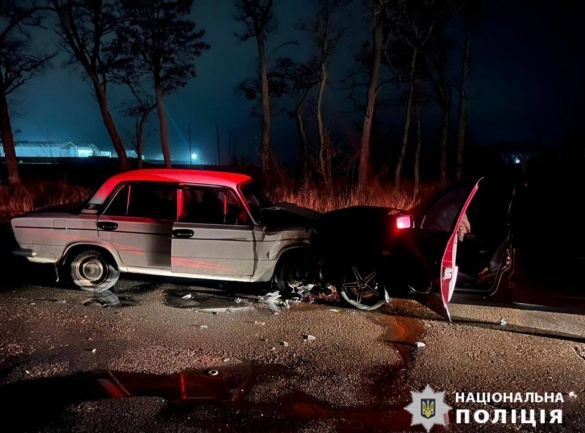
(284, 343)
(503, 321)
(310, 337)
(213, 372)
(256, 322)
(271, 296)
(334, 310)
(187, 296)
(420, 344)
(202, 326)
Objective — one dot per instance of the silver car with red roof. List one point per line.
(171, 222)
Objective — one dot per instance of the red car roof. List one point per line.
(204, 177)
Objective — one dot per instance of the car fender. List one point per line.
(108, 247)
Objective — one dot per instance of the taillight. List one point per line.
(404, 222)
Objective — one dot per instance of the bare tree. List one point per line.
(259, 20)
(435, 71)
(415, 22)
(414, 26)
(298, 79)
(378, 35)
(326, 37)
(137, 80)
(18, 64)
(85, 28)
(140, 111)
(159, 39)
(470, 12)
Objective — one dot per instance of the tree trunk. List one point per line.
(303, 141)
(417, 151)
(140, 138)
(8, 138)
(110, 125)
(265, 152)
(162, 120)
(460, 150)
(364, 168)
(400, 161)
(445, 138)
(324, 151)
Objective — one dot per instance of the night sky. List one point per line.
(526, 84)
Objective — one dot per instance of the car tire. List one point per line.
(291, 273)
(92, 271)
(358, 286)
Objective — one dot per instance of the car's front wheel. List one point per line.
(359, 287)
(93, 272)
(292, 273)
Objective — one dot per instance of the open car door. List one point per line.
(430, 247)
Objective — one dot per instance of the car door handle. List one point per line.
(107, 226)
(183, 233)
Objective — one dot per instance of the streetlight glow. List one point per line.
(193, 156)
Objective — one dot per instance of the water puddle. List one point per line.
(224, 387)
(108, 298)
(403, 332)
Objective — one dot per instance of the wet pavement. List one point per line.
(169, 355)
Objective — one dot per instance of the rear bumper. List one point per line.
(24, 252)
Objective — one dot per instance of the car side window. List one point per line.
(210, 205)
(119, 204)
(145, 200)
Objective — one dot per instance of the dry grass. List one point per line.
(25, 198)
(16, 200)
(322, 199)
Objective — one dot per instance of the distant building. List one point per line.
(44, 149)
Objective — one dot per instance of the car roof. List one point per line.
(204, 177)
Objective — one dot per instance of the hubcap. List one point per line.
(93, 269)
(296, 275)
(362, 287)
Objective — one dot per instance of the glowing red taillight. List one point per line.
(403, 222)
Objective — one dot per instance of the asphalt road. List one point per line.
(164, 355)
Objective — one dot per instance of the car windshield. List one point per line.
(255, 198)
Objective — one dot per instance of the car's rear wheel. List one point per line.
(292, 273)
(359, 287)
(93, 271)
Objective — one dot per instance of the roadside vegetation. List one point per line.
(27, 197)
(15, 200)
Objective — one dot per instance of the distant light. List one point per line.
(193, 156)
(516, 160)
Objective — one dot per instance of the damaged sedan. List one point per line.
(171, 222)
(373, 254)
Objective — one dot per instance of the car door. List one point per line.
(213, 236)
(429, 248)
(485, 255)
(138, 221)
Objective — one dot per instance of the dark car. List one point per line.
(372, 254)
(517, 248)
